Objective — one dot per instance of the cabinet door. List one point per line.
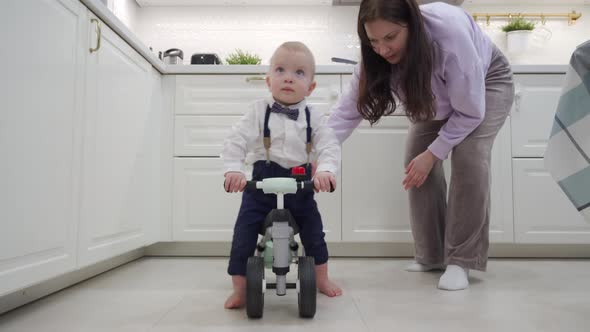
(201, 136)
(155, 161)
(501, 212)
(203, 211)
(39, 139)
(116, 167)
(233, 94)
(374, 204)
(542, 212)
(535, 103)
(330, 206)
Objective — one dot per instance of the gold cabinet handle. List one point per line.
(517, 97)
(255, 78)
(98, 35)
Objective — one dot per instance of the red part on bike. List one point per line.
(298, 170)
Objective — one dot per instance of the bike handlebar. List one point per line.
(306, 186)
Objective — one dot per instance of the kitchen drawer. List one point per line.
(203, 211)
(535, 102)
(233, 94)
(201, 136)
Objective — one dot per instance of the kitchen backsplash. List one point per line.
(328, 31)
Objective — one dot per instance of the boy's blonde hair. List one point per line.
(296, 46)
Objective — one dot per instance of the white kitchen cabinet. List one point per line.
(203, 211)
(501, 210)
(117, 189)
(154, 176)
(206, 107)
(201, 136)
(330, 206)
(375, 207)
(542, 212)
(40, 139)
(233, 94)
(374, 204)
(535, 102)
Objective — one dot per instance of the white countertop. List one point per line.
(116, 25)
(247, 69)
(325, 69)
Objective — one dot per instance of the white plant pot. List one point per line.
(518, 41)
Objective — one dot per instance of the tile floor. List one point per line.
(186, 294)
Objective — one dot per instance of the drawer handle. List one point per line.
(98, 37)
(255, 78)
(517, 98)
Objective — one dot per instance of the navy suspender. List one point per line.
(266, 139)
(308, 142)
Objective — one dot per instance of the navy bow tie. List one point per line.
(291, 113)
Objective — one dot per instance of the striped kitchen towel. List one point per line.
(568, 153)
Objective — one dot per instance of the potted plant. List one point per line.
(518, 34)
(240, 57)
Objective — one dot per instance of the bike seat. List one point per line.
(279, 215)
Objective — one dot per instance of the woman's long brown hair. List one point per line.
(412, 84)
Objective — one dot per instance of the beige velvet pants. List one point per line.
(457, 232)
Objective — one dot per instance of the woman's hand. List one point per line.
(323, 180)
(234, 182)
(418, 169)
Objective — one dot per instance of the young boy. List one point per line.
(290, 79)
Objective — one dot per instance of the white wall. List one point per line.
(328, 31)
(557, 50)
(127, 11)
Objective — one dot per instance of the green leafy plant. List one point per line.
(240, 57)
(518, 23)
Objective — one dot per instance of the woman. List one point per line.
(456, 88)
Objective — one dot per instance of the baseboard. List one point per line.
(371, 249)
(26, 295)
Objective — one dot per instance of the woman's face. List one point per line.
(388, 39)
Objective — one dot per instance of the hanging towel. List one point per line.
(568, 153)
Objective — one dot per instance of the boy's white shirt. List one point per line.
(288, 139)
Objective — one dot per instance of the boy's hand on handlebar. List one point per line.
(324, 181)
(234, 182)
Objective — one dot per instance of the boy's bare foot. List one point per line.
(238, 298)
(329, 288)
(235, 301)
(324, 284)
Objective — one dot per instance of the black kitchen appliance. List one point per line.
(205, 59)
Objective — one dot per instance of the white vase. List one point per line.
(518, 41)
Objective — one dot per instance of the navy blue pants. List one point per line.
(256, 205)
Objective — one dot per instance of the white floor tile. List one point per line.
(187, 294)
